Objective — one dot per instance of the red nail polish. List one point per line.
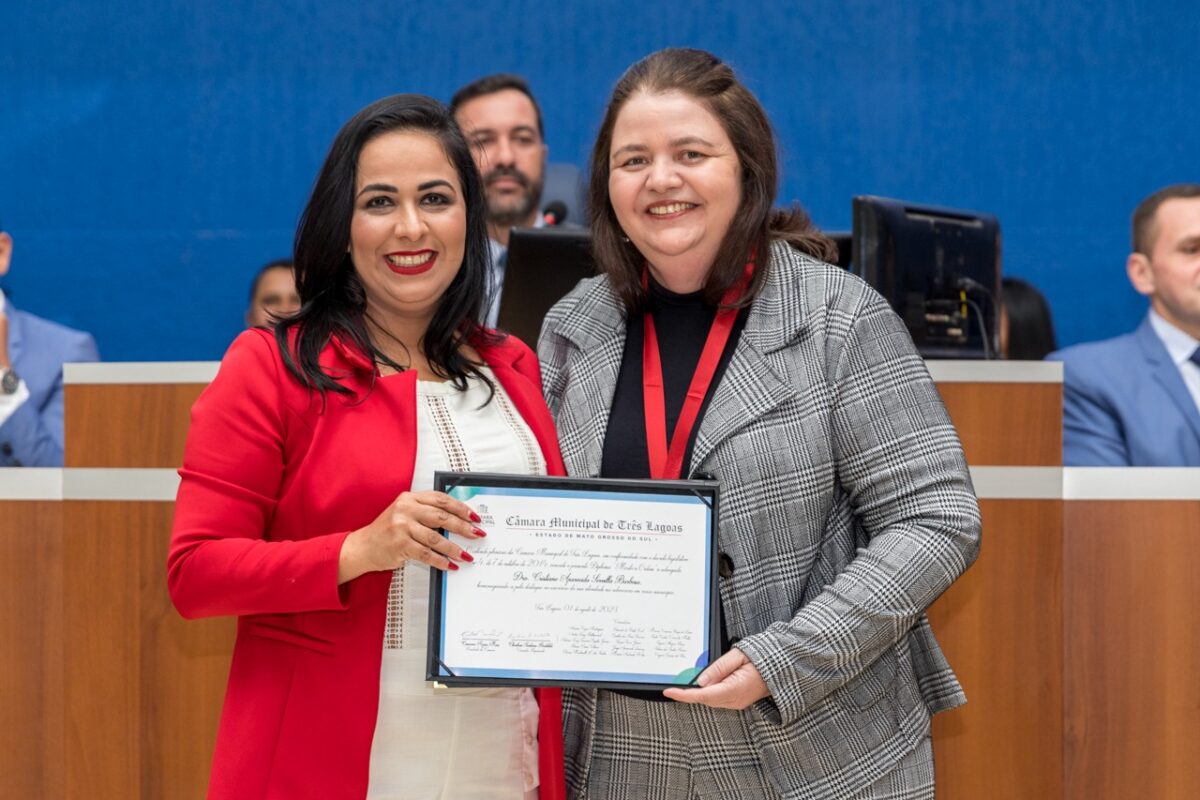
(480, 532)
(475, 517)
(453, 566)
(467, 557)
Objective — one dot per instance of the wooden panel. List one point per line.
(1007, 424)
(31, 678)
(112, 425)
(143, 686)
(1001, 627)
(1132, 611)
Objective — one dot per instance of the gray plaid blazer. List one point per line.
(846, 509)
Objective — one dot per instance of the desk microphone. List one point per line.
(554, 213)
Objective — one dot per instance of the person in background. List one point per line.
(32, 353)
(305, 505)
(273, 294)
(1134, 401)
(503, 122)
(1026, 325)
(846, 503)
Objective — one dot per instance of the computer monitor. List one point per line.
(543, 265)
(939, 268)
(845, 247)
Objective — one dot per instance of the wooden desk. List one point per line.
(1001, 623)
(1074, 634)
(32, 733)
(110, 694)
(1131, 613)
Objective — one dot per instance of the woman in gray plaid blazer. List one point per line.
(846, 504)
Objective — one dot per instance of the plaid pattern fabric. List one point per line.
(911, 779)
(846, 509)
(673, 751)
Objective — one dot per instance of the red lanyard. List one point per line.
(664, 463)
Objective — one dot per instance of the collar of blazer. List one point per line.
(15, 330)
(356, 359)
(776, 317)
(1164, 370)
(753, 383)
(514, 366)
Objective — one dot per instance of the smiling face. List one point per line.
(674, 184)
(1170, 275)
(409, 227)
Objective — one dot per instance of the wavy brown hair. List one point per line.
(756, 224)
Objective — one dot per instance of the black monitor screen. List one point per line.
(939, 268)
(845, 247)
(543, 265)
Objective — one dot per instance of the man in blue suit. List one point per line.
(1134, 401)
(32, 354)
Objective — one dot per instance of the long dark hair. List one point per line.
(1030, 324)
(756, 224)
(332, 297)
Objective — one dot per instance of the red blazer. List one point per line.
(272, 482)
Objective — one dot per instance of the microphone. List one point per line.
(555, 212)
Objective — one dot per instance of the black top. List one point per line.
(682, 322)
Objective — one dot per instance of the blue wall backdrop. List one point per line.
(153, 154)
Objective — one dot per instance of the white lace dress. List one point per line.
(452, 744)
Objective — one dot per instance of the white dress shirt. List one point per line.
(457, 744)
(9, 403)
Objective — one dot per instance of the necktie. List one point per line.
(1195, 357)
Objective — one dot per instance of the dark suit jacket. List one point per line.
(1126, 405)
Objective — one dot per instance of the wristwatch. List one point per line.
(9, 380)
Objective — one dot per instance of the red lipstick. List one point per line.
(412, 262)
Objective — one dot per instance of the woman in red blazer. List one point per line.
(297, 502)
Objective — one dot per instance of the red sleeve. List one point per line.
(220, 561)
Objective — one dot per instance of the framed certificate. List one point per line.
(579, 582)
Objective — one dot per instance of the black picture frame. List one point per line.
(707, 490)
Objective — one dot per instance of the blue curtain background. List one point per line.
(154, 154)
